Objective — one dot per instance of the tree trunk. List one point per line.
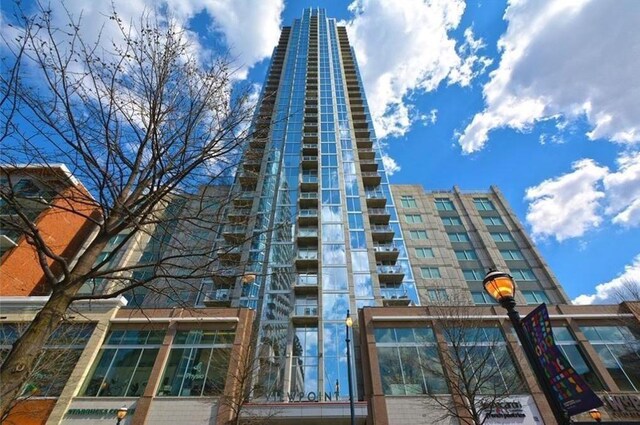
(18, 365)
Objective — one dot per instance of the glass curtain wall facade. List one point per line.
(323, 230)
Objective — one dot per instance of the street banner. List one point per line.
(574, 394)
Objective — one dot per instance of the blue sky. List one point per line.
(541, 99)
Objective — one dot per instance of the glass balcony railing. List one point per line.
(389, 269)
(393, 293)
(305, 310)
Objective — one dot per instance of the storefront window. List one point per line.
(409, 361)
(619, 350)
(124, 364)
(57, 360)
(569, 347)
(198, 364)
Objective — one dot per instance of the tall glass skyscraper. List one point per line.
(313, 202)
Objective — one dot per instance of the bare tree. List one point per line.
(628, 290)
(49, 375)
(476, 364)
(143, 121)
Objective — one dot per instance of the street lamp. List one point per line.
(349, 323)
(595, 415)
(121, 414)
(502, 288)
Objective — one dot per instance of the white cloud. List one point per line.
(418, 55)
(623, 190)
(565, 59)
(250, 29)
(390, 165)
(569, 205)
(608, 292)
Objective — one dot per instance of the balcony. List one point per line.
(368, 154)
(363, 141)
(218, 298)
(239, 215)
(310, 162)
(375, 199)
(390, 273)
(382, 233)
(258, 143)
(386, 252)
(310, 137)
(307, 258)
(234, 233)
(379, 215)
(243, 199)
(229, 253)
(306, 284)
(305, 314)
(309, 148)
(248, 178)
(368, 165)
(308, 182)
(307, 236)
(308, 199)
(371, 178)
(308, 216)
(394, 297)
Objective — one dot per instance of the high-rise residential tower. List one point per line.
(316, 210)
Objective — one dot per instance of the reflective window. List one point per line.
(451, 221)
(418, 234)
(430, 272)
(511, 254)
(56, 361)
(492, 221)
(409, 361)
(413, 218)
(523, 274)
(124, 364)
(458, 237)
(569, 346)
(197, 364)
(535, 297)
(619, 350)
(424, 252)
(408, 201)
(437, 295)
(304, 363)
(466, 254)
(473, 274)
(482, 298)
(483, 204)
(501, 237)
(444, 204)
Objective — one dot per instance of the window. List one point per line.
(523, 274)
(408, 201)
(511, 254)
(197, 364)
(473, 274)
(466, 254)
(451, 221)
(430, 272)
(444, 204)
(409, 361)
(437, 295)
(501, 237)
(124, 364)
(492, 221)
(458, 237)
(535, 297)
(482, 298)
(481, 353)
(413, 218)
(304, 365)
(424, 252)
(56, 361)
(619, 350)
(569, 346)
(483, 204)
(418, 234)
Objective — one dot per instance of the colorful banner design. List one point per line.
(574, 394)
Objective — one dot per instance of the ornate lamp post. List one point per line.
(595, 415)
(121, 414)
(501, 287)
(349, 323)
